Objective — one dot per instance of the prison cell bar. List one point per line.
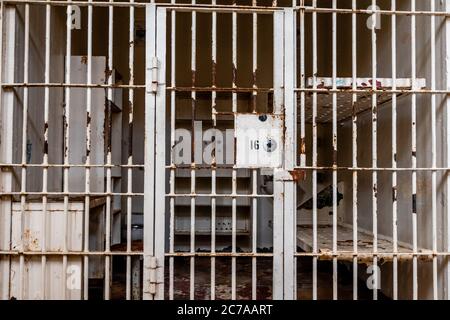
(130, 147)
(414, 149)
(354, 156)
(160, 158)
(447, 141)
(193, 105)
(108, 111)
(302, 111)
(11, 85)
(394, 151)
(67, 136)
(335, 147)
(88, 145)
(172, 143)
(314, 147)
(254, 171)
(107, 129)
(290, 130)
(374, 150)
(136, 166)
(149, 171)
(24, 146)
(213, 172)
(45, 153)
(433, 148)
(233, 173)
(278, 199)
(239, 8)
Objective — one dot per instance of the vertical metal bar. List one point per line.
(314, 151)
(160, 154)
(7, 65)
(374, 152)
(290, 118)
(88, 143)
(302, 86)
(193, 106)
(233, 177)
(24, 148)
(254, 171)
(172, 143)
(149, 151)
(45, 153)
(302, 113)
(394, 151)
(414, 149)
(354, 155)
(334, 144)
(213, 172)
(278, 186)
(130, 140)
(108, 156)
(433, 149)
(447, 140)
(67, 143)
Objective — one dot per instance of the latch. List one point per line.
(150, 267)
(154, 84)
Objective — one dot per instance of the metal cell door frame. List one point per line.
(284, 212)
(154, 153)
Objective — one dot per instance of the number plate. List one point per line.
(259, 142)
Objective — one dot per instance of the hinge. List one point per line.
(154, 84)
(150, 266)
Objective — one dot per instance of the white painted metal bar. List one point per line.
(160, 154)
(213, 172)
(172, 157)
(234, 173)
(149, 151)
(193, 106)
(354, 156)
(45, 155)
(447, 142)
(374, 152)
(314, 147)
(394, 151)
(67, 79)
(302, 86)
(129, 211)
(278, 186)
(290, 151)
(108, 111)
(254, 171)
(433, 151)
(23, 185)
(335, 147)
(88, 146)
(414, 151)
(7, 22)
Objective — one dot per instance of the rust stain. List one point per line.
(298, 175)
(302, 146)
(84, 59)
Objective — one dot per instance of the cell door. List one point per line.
(219, 145)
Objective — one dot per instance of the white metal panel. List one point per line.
(55, 241)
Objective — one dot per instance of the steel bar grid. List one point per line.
(285, 94)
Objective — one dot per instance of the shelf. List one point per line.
(344, 99)
(345, 244)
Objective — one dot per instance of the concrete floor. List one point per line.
(202, 289)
